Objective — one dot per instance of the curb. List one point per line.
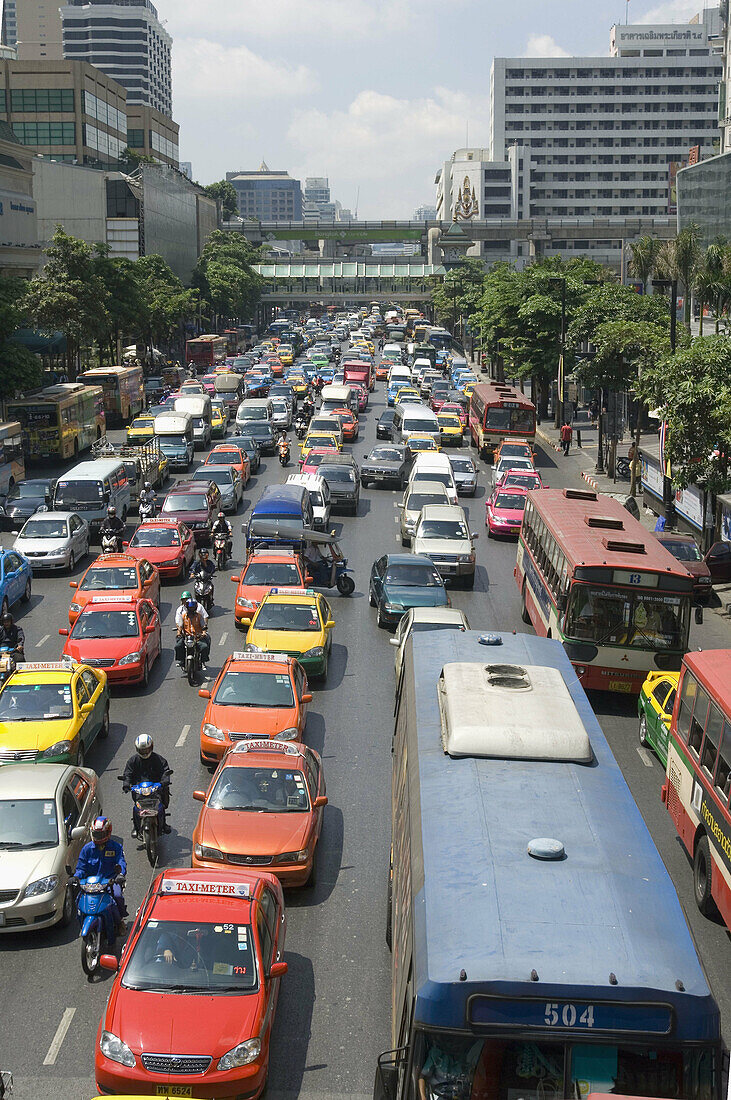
(591, 481)
(547, 439)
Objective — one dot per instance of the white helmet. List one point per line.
(144, 745)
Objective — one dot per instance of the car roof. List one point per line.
(437, 615)
(53, 515)
(442, 511)
(673, 536)
(410, 559)
(30, 781)
(430, 460)
(428, 487)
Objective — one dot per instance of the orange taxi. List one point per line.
(263, 809)
(166, 543)
(264, 570)
(382, 368)
(120, 634)
(229, 454)
(256, 695)
(349, 422)
(122, 574)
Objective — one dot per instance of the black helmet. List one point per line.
(111, 510)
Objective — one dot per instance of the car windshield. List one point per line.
(442, 529)
(426, 628)
(385, 454)
(413, 576)
(143, 422)
(514, 501)
(287, 616)
(154, 536)
(36, 702)
(417, 501)
(522, 481)
(28, 823)
(69, 493)
(285, 574)
(612, 616)
(260, 431)
(414, 425)
(255, 689)
(344, 475)
(27, 489)
(185, 502)
(45, 529)
(462, 465)
(172, 442)
(683, 551)
(506, 464)
(442, 477)
(221, 475)
(108, 577)
(520, 449)
(105, 624)
(260, 790)
(224, 457)
(172, 956)
(450, 422)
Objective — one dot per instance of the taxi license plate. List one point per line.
(620, 685)
(174, 1090)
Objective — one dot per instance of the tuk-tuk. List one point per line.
(320, 551)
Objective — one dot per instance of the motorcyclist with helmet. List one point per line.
(202, 568)
(148, 497)
(192, 619)
(223, 527)
(104, 857)
(146, 765)
(113, 525)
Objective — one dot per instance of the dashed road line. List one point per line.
(645, 756)
(222, 639)
(58, 1038)
(183, 734)
(42, 641)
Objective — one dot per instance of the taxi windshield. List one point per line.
(28, 823)
(260, 790)
(274, 573)
(287, 616)
(155, 536)
(105, 577)
(36, 702)
(175, 957)
(255, 689)
(106, 624)
(514, 501)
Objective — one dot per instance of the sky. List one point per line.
(374, 94)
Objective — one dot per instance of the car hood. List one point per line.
(266, 721)
(381, 464)
(181, 1023)
(37, 546)
(286, 641)
(155, 553)
(255, 834)
(23, 507)
(507, 515)
(197, 516)
(34, 736)
(441, 546)
(17, 869)
(256, 592)
(101, 649)
(415, 597)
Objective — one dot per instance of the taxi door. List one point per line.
(94, 694)
(150, 581)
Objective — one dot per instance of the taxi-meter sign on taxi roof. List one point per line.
(197, 886)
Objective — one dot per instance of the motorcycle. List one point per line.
(111, 543)
(221, 550)
(98, 916)
(300, 427)
(283, 454)
(192, 659)
(149, 816)
(203, 590)
(146, 510)
(8, 663)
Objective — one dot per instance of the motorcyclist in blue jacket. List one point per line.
(104, 857)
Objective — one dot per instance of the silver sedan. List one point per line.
(54, 540)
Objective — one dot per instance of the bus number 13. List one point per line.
(567, 1015)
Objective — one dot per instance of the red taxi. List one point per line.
(229, 454)
(349, 422)
(504, 511)
(208, 381)
(191, 1009)
(120, 634)
(362, 394)
(167, 543)
(310, 463)
(264, 570)
(122, 574)
(256, 695)
(264, 807)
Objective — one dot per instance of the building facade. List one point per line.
(127, 41)
(19, 248)
(34, 26)
(152, 134)
(473, 186)
(425, 214)
(724, 88)
(266, 195)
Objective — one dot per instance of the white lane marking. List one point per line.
(58, 1038)
(222, 639)
(41, 641)
(183, 734)
(645, 756)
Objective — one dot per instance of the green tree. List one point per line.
(125, 306)
(224, 193)
(20, 370)
(225, 278)
(710, 277)
(645, 251)
(458, 294)
(165, 301)
(680, 259)
(70, 295)
(134, 158)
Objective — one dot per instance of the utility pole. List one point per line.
(558, 411)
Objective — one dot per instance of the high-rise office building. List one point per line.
(425, 213)
(9, 23)
(266, 195)
(127, 41)
(34, 26)
(317, 190)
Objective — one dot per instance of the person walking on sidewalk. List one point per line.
(567, 433)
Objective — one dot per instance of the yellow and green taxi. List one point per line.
(52, 712)
(407, 395)
(141, 429)
(295, 622)
(286, 355)
(219, 422)
(467, 391)
(421, 441)
(319, 439)
(450, 429)
(655, 709)
(299, 384)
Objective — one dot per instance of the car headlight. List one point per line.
(131, 658)
(75, 608)
(393, 607)
(290, 734)
(58, 749)
(172, 561)
(242, 602)
(317, 651)
(465, 559)
(293, 857)
(241, 1055)
(202, 851)
(213, 732)
(41, 886)
(114, 1049)
(251, 648)
(704, 580)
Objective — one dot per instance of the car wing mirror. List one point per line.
(108, 962)
(278, 970)
(199, 796)
(394, 641)
(73, 584)
(77, 833)
(63, 630)
(204, 693)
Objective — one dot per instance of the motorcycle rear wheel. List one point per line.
(150, 834)
(190, 670)
(91, 949)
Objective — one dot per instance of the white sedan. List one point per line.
(54, 540)
(418, 620)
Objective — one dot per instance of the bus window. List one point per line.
(698, 721)
(687, 698)
(709, 751)
(723, 771)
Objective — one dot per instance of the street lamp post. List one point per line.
(558, 411)
(667, 482)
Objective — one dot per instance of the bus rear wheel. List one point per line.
(703, 877)
(524, 608)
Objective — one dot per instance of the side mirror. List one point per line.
(63, 630)
(329, 624)
(109, 962)
(87, 708)
(125, 545)
(699, 615)
(73, 584)
(320, 801)
(474, 536)
(204, 693)
(393, 641)
(235, 579)
(77, 833)
(150, 629)
(561, 602)
(278, 970)
(199, 796)
(306, 698)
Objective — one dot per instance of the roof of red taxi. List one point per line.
(713, 669)
(583, 544)
(203, 907)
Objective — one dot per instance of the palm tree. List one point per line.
(709, 277)
(644, 259)
(679, 259)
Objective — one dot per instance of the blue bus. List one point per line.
(539, 951)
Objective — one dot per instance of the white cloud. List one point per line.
(205, 71)
(391, 148)
(543, 45)
(672, 11)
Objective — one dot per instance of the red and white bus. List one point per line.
(697, 786)
(499, 412)
(206, 351)
(590, 575)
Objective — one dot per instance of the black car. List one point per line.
(251, 449)
(386, 462)
(383, 424)
(341, 474)
(262, 432)
(24, 499)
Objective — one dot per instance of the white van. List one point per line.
(434, 466)
(91, 488)
(319, 492)
(254, 409)
(198, 405)
(399, 374)
(338, 397)
(413, 417)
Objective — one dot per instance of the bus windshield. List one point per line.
(645, 620)
(512, 420)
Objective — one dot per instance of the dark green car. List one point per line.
(401, 581)
(655, 709)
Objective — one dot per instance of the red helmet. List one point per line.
(101, 830)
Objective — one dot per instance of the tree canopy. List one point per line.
(224, 276)
(224, 193)
(20, 370)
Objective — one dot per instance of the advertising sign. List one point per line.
(17, 220)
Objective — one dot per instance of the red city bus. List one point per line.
(698, 781)
(499, 412)
(206, 351)
(590, 575)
